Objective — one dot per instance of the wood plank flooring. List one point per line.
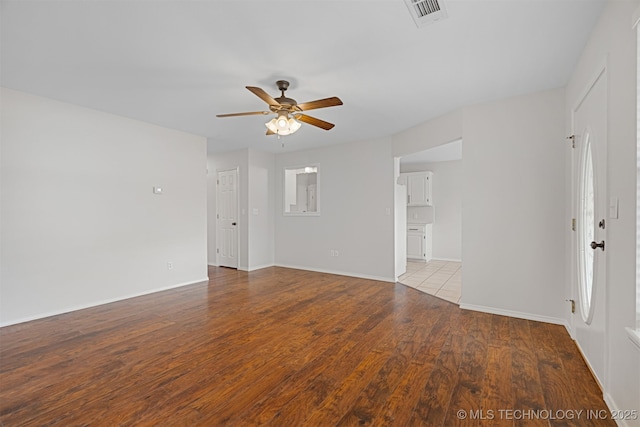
(286, 347)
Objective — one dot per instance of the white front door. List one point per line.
(227, 218)
(589, 165)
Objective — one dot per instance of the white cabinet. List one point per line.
(415, 244)
(418, 188)
(419, 245)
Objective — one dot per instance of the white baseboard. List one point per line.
(591, 370)
(260, 267)
(613, 408)
(254, 268)
(95, 304)
(446, 259)
(339, 273)
(516, 314)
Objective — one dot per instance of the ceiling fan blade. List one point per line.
(269, 132)
(250, 113)
(263, 95)
(313, 121)
(320, 103)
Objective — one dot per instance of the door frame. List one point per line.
(601, 71)
(218, 234)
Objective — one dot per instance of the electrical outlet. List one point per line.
(336, 252)
(170, 265)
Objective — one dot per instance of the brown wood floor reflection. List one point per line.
(287, 347)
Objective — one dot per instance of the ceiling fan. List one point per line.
(288, 111)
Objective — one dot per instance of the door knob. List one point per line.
(595, 245)
(233, 223)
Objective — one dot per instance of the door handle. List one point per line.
(595, 245)
(233, 223)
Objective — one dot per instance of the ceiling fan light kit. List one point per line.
(282, 125)
(288, 111)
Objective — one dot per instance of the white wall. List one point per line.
(513, 206)
(447, 207)
(420, 214)
(438, 131)
(256, 186)
(512, 201)
(80, 223)
(356, 212)
(261, 208)
(614, 39)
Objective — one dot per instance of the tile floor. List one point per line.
(440, 278)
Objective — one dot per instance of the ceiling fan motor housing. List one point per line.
(286, 104)
(282, 85)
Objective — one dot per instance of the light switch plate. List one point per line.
(157, 190)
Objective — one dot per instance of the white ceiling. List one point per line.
(179, 63)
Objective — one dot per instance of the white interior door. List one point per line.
(227, 218)
(590, 156)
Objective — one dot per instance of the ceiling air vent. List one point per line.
(426, 11)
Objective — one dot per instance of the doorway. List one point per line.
(434, 228)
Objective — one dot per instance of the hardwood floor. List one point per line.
(287, 347)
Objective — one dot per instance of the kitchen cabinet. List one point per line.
(418, 188)
(419, 242)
